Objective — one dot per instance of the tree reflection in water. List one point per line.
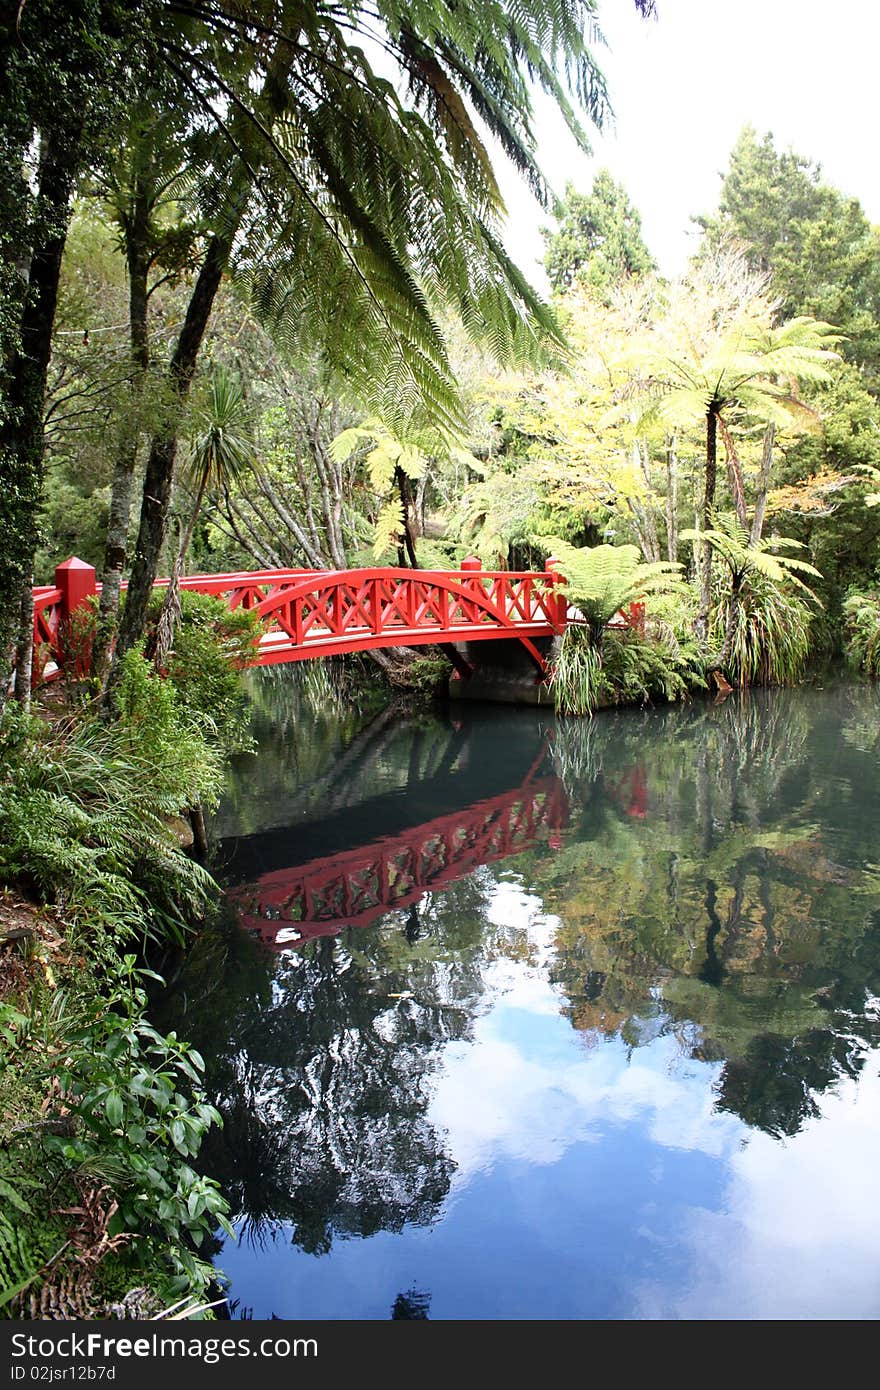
(716, 882)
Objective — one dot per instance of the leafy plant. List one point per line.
(605, 578)
(576, 674)
(761, 622)
(765, 632)
(141, 1117)
(85, 807)
(636, 670)
(211, 646)
(861, 613)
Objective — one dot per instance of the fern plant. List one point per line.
(762, 618)
(599, 582)
(602, 580)
(85, 807)
(861, 613)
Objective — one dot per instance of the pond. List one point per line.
(518, 1017)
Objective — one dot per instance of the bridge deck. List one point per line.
(309, 614)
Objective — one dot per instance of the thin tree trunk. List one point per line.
(730, 625)
(763, 484)
(671, 501)
(711, 477)
(169, 614)
(734, 474)
(24, 651)
(331, 506)
(421, 489)
(138, 259)
(308, 543)
(649, 520)
(405, 493)
(159, 476)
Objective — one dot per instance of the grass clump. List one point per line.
(765, 630)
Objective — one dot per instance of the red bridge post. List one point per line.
(76, 580)
(561, 600)
(470, 565)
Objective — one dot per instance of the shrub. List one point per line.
(770, 641)
(627, 669)
(861, 614)
(637, 670)
(84, 809)
(576, 675)
(212, 644)
(121, 1122)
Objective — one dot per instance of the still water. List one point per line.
(517, 1017)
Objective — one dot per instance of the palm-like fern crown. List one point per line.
(717, 345)
(733, 544)
(370, 199)
(605, 578)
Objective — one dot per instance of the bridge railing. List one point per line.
(310, 613)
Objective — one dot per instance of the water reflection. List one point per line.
(558, 991)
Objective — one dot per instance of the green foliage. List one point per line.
(142, 1113)
(221, 447)
(25, 1246)
(766, 630)
(861, 613)
(629, 669)
(746, 559)
(122, 1117)
(576, 674)
(820, 248)
(85, 807)
(637, 670)
(211, 646)
(605, 578)
(719, 350)
(427, 675)
(599, 239)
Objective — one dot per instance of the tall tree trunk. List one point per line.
(649, 521)
(170, 611)
(734, 474)
(671, 501)
(710, 483)
(21, 432)
(763, 484)
(159, 475)
(404, 490)
(730, 625)
(138, 260)
(24, 652)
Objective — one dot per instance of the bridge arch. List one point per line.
(330, 612)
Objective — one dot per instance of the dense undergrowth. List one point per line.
(101, 1116)
(762, 630)
(861, 613)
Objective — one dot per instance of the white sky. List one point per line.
(683, 86)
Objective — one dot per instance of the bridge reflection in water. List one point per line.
(353, 889)
(342, 865)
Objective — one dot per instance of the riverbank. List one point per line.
(82, 1233)
(101, 1116)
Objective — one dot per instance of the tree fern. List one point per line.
(606, 578)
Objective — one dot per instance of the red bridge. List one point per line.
(288, 907)
(314, 613)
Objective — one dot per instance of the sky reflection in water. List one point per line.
(631, 1072)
